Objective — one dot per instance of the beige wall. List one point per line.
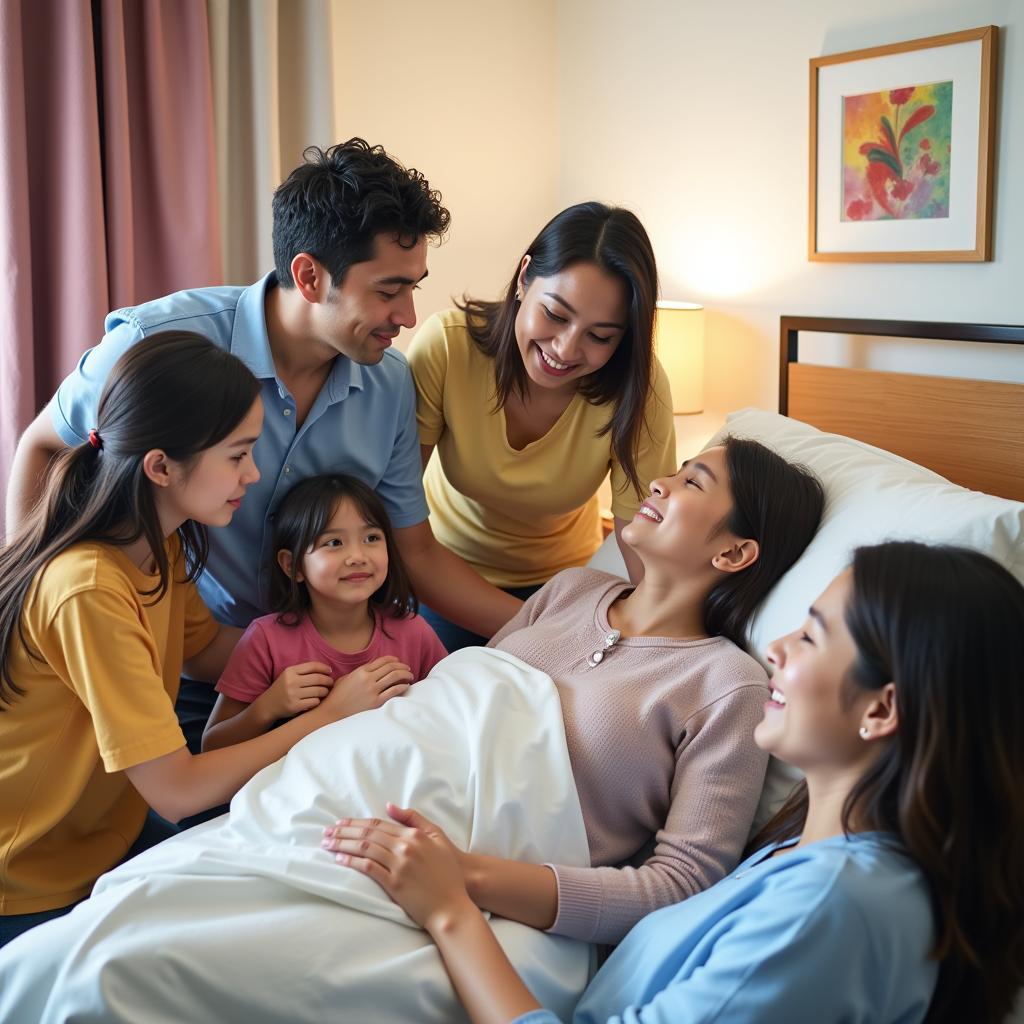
(464, 90)
(694, 113)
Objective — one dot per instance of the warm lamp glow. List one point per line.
(679, 344)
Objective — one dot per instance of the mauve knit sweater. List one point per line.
(660, 736)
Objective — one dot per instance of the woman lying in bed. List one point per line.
(658, 698)
(888, 889)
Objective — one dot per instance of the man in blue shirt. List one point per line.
(351, 227)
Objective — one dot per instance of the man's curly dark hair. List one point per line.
(335, 203)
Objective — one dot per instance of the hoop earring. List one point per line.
(863, 733)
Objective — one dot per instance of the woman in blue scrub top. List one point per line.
(889, 888)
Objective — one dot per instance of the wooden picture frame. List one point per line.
(902, 151)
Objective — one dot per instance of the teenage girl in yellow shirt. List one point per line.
(531, 400)
(98, 614)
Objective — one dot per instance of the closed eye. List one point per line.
(805, 638)
(693, 480)
(239, 456)
(553, 316)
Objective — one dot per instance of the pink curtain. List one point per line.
(107, 179)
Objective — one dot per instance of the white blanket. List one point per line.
(246, 918)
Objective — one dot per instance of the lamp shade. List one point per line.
(679, 344)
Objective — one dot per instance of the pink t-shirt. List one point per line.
(267, 648)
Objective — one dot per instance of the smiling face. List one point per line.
(361, 317)
(346, 563)
(816, 711)
(679, 525)
(209, 489)
(570, 324)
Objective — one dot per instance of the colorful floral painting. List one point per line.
(896, 153)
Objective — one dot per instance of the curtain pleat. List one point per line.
(107, 178)
(54, 258)
(273, 96)
(163, 230)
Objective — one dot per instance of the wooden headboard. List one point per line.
(969, 431)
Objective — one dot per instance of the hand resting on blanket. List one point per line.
(409, 857)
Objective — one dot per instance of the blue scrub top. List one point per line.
(363, 422)
(836, 931)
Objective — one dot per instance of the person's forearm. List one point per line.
(219, 774)
(249, 723)
(488, 985)
(455, 590)
(25, 483)
(522, 892)
(182, 784)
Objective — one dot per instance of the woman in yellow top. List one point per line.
(98, 613)
(530, 401)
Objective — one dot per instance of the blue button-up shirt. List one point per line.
(363, 422)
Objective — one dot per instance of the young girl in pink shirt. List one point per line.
(346, 616)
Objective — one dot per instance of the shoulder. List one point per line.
(413, 628)
(659, 379)
(450, 322)
(875, 875)
(73, 578)
(731, 664)
(393, 367)
(659, 398)
(439, 333)
(177, 308)
(719, 689)
(83, 566)
(266, 626)
(861, 892)
(863, 877)
(88, 565)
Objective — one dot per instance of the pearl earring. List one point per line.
(863, 732)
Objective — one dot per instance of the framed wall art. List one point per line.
(901, 151)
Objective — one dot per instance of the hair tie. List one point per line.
(94, 439)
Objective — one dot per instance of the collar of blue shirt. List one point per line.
(251, 343)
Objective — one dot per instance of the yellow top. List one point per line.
(518, 517)
(101, 700)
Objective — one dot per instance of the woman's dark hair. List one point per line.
(335, 203)
(946, 625)
(779, 505)
(174, 391)
(615, 240)
(302, 516)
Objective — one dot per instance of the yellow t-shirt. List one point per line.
(101, 700)
(518, 517)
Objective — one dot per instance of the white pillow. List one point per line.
(871, 496)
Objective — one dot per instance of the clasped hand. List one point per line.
(303, 687)
(411, 859)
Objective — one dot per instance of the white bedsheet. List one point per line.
(246, 918)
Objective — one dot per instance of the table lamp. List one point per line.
(679, 344)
